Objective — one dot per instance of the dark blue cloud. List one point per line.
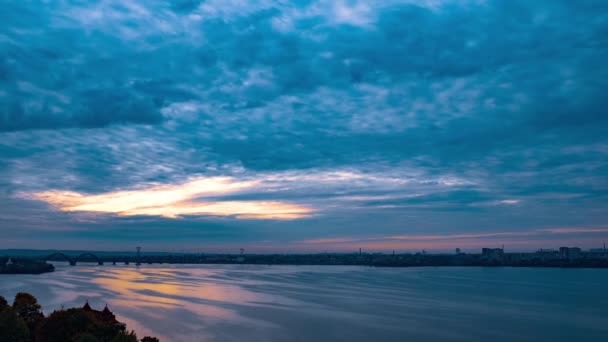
(505, 96)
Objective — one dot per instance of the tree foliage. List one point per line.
(125, 337)
(27, 307)
(12, 327)
(25, 322)
(3, 303)
(149, 339)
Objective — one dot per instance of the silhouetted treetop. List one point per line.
(25, 322)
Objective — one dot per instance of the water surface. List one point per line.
(333, 303)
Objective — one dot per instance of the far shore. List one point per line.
(495, 257)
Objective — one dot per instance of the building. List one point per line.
(574, 252)
(598, 250)
(547, 254)
(569, 252)
(492, 253)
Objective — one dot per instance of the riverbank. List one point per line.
(373, 259)
(492, 258)
(24, 266)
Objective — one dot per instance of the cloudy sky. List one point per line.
(303, 125)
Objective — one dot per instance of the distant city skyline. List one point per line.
(303, 126)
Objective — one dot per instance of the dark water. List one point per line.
(324, 303)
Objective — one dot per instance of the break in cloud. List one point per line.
(276, 123)
(174, 201)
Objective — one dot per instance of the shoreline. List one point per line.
(9, 265)
(341, 265)
(40, 264)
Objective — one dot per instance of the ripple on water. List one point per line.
(286, 303)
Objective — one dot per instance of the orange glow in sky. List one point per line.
(174, 201)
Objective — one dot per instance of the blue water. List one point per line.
(334, 303)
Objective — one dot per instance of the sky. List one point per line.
(303, 125)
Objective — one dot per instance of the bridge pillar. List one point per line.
(126, 262)
(72, 262)
(100, 263)
(113, 262)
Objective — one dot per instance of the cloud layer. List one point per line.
(351, 118)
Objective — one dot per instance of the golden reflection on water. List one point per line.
(125, 283)
(162, 288)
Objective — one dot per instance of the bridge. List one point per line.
(74, 260)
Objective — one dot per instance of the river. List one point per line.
(333, 303)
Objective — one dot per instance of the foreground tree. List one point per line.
(24, 322)
(12, 327)
(125, 337)
(75, 324)
(27, 307)
(149, 339)
(3, 303)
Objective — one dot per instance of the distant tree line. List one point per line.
(24, 322)
(24, 266)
